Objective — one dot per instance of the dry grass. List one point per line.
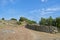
(22, 33)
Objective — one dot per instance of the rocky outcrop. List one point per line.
(48, 29)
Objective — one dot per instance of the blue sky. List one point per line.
(31, 9)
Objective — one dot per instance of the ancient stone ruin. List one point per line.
(48, 29)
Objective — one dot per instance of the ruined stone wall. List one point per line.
(48, 29)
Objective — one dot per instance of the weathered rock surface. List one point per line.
(48, 29)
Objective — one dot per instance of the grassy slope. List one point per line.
(22, 33)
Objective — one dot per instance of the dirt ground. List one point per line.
(22, 33)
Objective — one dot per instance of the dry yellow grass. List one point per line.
(22, 33)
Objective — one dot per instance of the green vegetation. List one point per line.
(50, 21)
(13, 19)
(43, 21)
(58, 22)
(23, 19)
(19, 23)
(47, 22)
(3, 18)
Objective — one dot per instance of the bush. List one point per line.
(31, 22)
(3, 19)
(22, 19)
(19, 23)
(13, 19)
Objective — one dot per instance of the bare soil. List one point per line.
(22, 33)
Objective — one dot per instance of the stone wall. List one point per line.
(48, 29)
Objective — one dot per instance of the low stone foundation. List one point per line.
(48, 29)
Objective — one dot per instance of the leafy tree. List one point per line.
(43, 21)
(50, 21)
(3, 19)
(58, 22)
(31, 22)
(22, 19)
(13, 19)
(54, 22)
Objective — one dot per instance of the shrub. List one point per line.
(19, 23)
(3, 18)
(13, 19)
(22, 19)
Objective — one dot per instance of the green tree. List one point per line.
(23, 19)
(31, 22)
(43, 21)
(50, 21)
(58, 22)
(3, 18)
(54, 22)
(13, 19)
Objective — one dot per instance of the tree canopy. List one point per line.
(22, 19)
(3, 18)
(13, 19)
(50, 21)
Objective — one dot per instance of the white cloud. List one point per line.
(53, 9)
(43, 0)
(45, 11)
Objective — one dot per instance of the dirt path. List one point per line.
(22, 33)
(43, 36)
(19, 33)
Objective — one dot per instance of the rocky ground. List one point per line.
(22, 33)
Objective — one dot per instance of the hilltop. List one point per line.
(9, 30)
